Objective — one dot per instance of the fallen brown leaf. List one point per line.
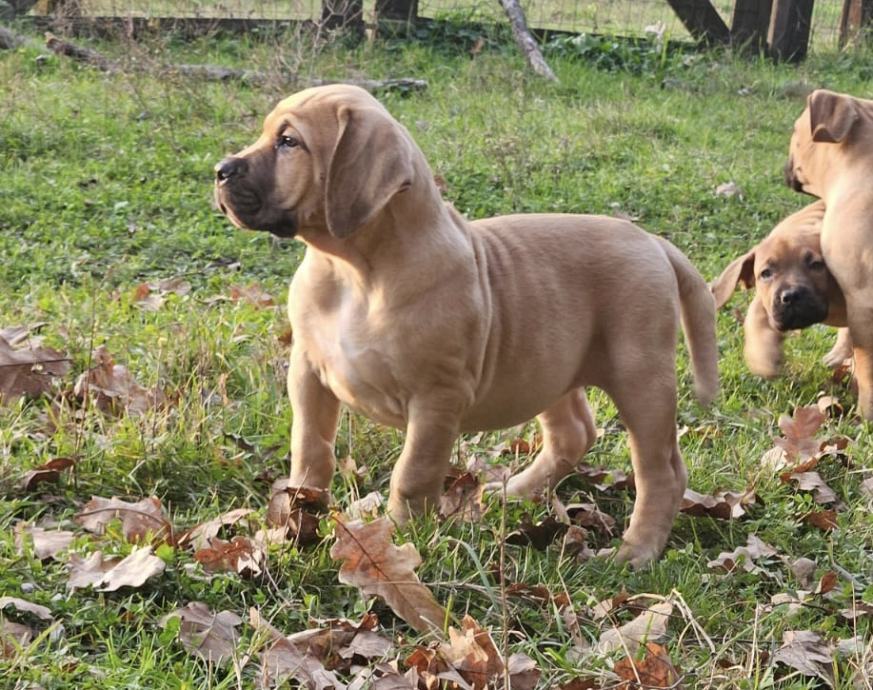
(240, 555)
(28, 370)
(23, 606)
(472, 652)
(211, 636)
(252, 294)
(650, 625)
(654, 670)
(367, 506)
(827, 583)
(13, 636)
(298, 508)
(610, 604)
(806, 651)
(47, 472)
(46, 543)
(139, 520)
(199, 537)
(581, 684)
(113, 389)
(724, 505)
(576, 544)
(743, 556)
(825, 520)
(538, 535)
(375, 566)
(285, 659)
(590, 516)
(811, 481)
(463, 499)
(538, 593)
(799, 442)
(113, 573)
(829, 406)
(604, 479)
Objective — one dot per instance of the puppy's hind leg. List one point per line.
(568, 432)
(646, 401)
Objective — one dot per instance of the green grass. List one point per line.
(107, 183)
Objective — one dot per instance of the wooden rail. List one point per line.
(778, 28)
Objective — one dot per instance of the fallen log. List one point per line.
(218, 73)
(10, 40)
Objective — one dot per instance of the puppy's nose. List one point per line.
(230, 167)
(791, 295)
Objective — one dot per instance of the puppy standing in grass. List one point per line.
(831, 157)
(793, 289)
(421, 320)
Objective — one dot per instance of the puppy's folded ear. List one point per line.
(741, 270)
(831, 116)
(371, 162)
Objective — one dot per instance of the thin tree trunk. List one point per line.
(526, 42)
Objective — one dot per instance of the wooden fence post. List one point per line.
(750, 23)
(857, 17)
(343, 14)
(702, 20)
(788, 37)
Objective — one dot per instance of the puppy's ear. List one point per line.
(371, 162)
(831, 116)
(741, 270)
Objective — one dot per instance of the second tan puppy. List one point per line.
(793, 289)
(831, 157)
(421, 320)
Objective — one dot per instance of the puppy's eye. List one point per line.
(766, 274)
(817, 265)
(287, 141)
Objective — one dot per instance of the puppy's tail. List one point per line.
(697, 309)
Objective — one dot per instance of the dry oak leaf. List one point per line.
(298, 508)
(376, 566)
(252, 294)
(724, 505)
(603, 479)
(743, 556)
(463, 499)
(649, 626)
(13, 636)
(590, 516)
(538, 593)
(211, 636)
(47, 543)
(811, 481)
(113, 573)
(28, 370)
(138, 520)
(473, 654)
(366, 507)
(284, 659)
(825, 520)
(47, 472)
(654, 670)
(799, 442)
(113, 389)
(24, 606)
(199, 537)
(538, 535)
(806, 651)
(240, 555)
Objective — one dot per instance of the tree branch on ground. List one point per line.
(525, 40)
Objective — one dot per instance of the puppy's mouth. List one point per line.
(246, 211)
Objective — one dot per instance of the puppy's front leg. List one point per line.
(841, 351)
(417, 479)
(763, 347)
(861, 328)
(313, 428)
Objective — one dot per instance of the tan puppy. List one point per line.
(421, 320)
(793, 289)
(831, 156)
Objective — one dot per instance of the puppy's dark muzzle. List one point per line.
(798, 307)
(791, 178)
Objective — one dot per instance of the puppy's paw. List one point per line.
(638, 555)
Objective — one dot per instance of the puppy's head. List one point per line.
(827, 122)
(328, 159)
(787, 271)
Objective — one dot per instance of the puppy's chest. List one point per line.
(354, 361)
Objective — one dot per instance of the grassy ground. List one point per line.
(107, 184)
